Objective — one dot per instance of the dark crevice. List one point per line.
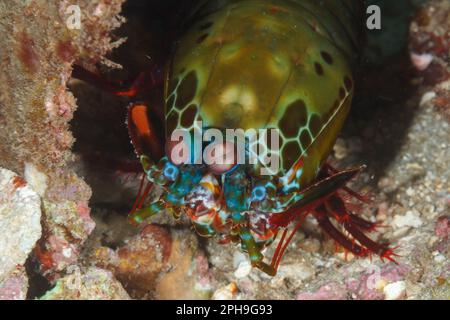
(38, 285)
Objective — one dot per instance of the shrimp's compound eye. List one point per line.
(258, 194)
(222, 158)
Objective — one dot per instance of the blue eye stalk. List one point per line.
(171, 171)
(258, 194)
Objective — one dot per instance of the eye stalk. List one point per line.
(258, 194)
(171, 171)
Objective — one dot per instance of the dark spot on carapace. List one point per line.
(186, 90)
(319, 69)
(315, 124)
(65, 51)
(27, 54)
(295, 116)
(305, 139)
(348, 83)
(206, 25)
(327, 57)
(172, 122)
(202, 38)
(291, 153)
(188, 116)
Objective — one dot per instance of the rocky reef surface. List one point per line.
(63, 204)
(37, 53)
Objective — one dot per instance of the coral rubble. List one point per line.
(38, 49)
(20, 227)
